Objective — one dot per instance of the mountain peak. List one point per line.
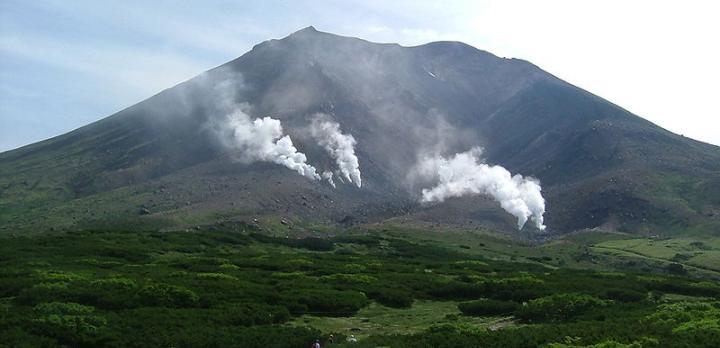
(307, 31)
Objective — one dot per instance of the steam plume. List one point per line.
(339, 176)
(329, 177)
(262, 140)
(340, 146)
(258, 140)
(465, 174)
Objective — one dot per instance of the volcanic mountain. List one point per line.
(159, 164)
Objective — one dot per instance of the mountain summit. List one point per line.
(171, 162)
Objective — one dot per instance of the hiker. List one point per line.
(352, 339)
(331, 339)
(316, 344)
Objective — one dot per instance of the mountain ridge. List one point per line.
(444, 96)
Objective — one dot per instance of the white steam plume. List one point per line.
(465, 174)
(341, 147)
(329, 177)
(262, 140)
(339, 176)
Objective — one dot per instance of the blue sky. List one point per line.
(64, 64)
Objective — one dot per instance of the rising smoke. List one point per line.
(341, 147)
(250, 140)
(329, 177)
(263, 140)
(465, 174)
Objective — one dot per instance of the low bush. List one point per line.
(111, 293)
(249, 314)
(557, 308)
(71, 323)
(625, 295)
(455, 290)
(369, 241)
(394, 298)
(310, 243)
(324, 302)
(46, 292)
(486, 307)
(684, 287)
(165, 295)
(522, 288)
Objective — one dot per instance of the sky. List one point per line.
(64, 64)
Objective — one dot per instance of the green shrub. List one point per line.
(341, 278)
(645, 342)
(684, 287)
(310, 243)
(556, 308)
(126, 254)
(10, 287)
(325, 302)
(369, 241)
(455, 290)
(625, 295)
(394, 298)
(216, 276)
(485, 307)
(70, 323)
(676, 268)
(521, 288)
(46, 292)
(60, 276)
(165, 295)
(353, 268)
(229, 267)
(114, 284)
(674, 314)
(249, 314)
(111, 293)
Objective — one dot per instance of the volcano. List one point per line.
(159, 165)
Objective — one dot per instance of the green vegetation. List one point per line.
(703, 254)
(558, 307)
(487, 307)
(395, 287)
(376, 319)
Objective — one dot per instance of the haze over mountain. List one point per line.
(166, 162)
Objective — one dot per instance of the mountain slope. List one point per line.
(158, 164)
